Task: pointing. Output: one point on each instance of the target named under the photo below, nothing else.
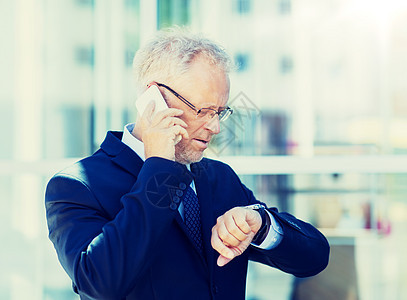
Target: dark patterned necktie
(192, 217)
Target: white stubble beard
(184, 154)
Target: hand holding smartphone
(153, 94)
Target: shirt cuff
(274, 236)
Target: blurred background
(319, 129)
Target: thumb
(223, 260)
(253, 219)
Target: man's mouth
(202, 143)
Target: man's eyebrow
(214, 107)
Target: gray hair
(170, 54)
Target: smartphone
(152, 93)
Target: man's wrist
(265, 223)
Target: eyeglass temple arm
(178, 96)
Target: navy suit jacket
(114, 222)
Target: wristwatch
(265, 223)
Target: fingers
(226, 253)
(167, 119)
(161, 131)
(220, 247)
(229, 232)
(163, 116)
(227, 238)
(172, 121)
(231, 235)
(242, 224)
(177, 130)
(154, 118)
(233, 227)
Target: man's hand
(234, 232)
(161, 131)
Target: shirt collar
(135, 144)
(132, 142)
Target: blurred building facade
(313, 78)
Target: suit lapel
(181, 223)
(204, 192)
(127, 159)
(121, 154)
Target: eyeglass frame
(228, 111)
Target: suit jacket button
(182, 186)
(173, 206)
(176, 199)
(179, 193)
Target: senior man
(147, 217)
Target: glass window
(284, 6)
(173, 12)
(242, 60)
(243, 6)
(86, 2)
(66, 80)
(286, 64)
(326, 80)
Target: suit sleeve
(103, 257)
(303, 250)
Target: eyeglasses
(204, 113)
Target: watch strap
(265, 223)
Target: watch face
(255, 206)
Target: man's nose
(213, 125)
